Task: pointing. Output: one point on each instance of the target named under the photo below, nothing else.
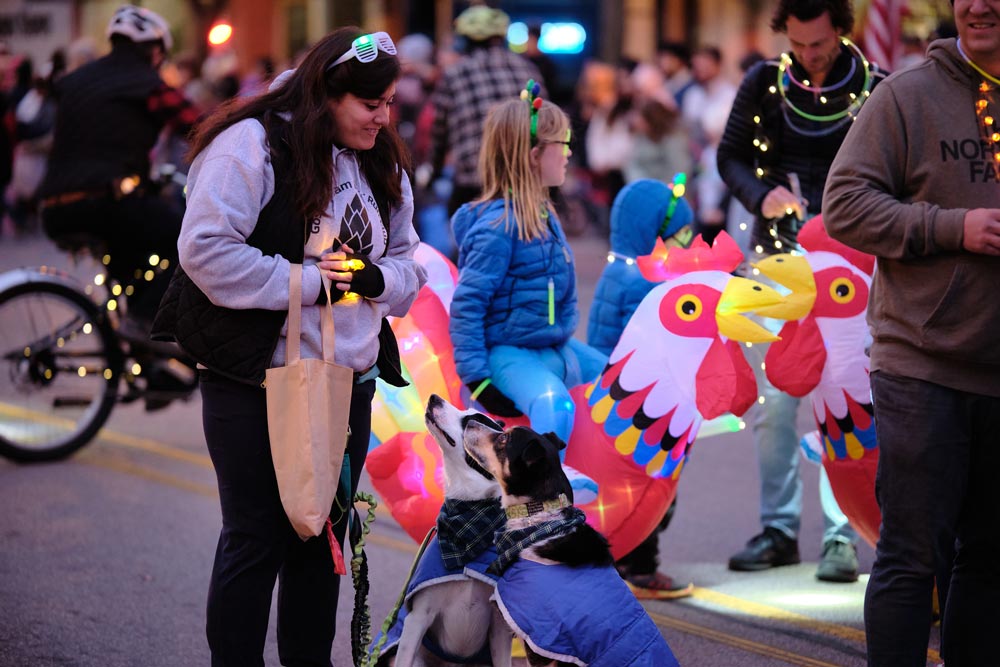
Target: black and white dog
(558, 589)
(448, 618)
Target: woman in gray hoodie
(308, 173)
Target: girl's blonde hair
(506, 167)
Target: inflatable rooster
(822, 353)
(677, 364)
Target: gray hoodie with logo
(228, 185)
(913, 164)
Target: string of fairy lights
(810, 124)
(988, 88)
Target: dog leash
(372, 658)
(361, 621)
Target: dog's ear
(555, 440)
(533, 453)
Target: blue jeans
(777, 442)
(936, 486)
(538, 380)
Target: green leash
(361, 621)
(372, 658)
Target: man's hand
(780, 202)
(982, 231)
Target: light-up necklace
(986, 75)
(857, 99)
(987, 121)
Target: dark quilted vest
(238, 344)
(104, 129)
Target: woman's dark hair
(305, 97)
(841, 13)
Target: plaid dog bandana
(511, 543)
(466, 529)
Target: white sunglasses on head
(366, 47)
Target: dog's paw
(584, 488)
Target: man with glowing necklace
(916, 184)
(789, 118)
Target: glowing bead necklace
(857, 99)
(990, 133)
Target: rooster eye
(841, 290)
(689, 307)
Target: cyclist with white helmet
(109, 115)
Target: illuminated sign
(556, 38)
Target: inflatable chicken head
(822, 354)
(678, 362)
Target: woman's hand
(337, 266)
(351, 273)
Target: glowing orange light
(220, 34)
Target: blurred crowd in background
(630, 120)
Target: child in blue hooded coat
(514, 310)
(643, 211)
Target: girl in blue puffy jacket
(514, 310)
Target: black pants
(645, 558)
(258, 545)
(939, 452)
(133, 228)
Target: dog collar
(537, 507)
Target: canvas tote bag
(308, 403)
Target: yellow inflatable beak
(743, 296)
(794, 273)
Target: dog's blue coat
(431, 571)
(582, 615)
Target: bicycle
(68, 361)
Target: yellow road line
(760, 610)
(757, 609)
(154, 447)
(98, 459)
(144, 444)
(737, 642)
(716, 598)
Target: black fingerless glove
(494, 400)
(335, 295)
(368, 281)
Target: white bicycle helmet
(140, 25)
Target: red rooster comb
(667, 263)
(813, 237)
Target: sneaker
(584, 488)
(769, 549)
(657, 586)
(839, 563)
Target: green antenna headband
(530, 95)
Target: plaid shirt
(511, 543)
(464, 95)
(466, 529)
(172, 109)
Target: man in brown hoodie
(917, 183)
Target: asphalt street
(105, 557)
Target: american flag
(883, 25)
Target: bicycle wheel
(63, 364)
